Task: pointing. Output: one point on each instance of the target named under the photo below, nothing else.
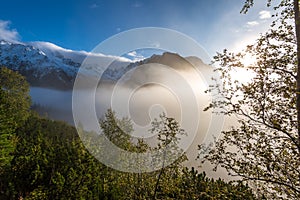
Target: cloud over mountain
(47, 65)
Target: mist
(142, 94)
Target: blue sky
(82, 24)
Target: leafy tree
(50, 162)
(170, 182)
(14, 110)
(117, 130)
(289, 14)
(264, 148)
(168, 133)
(195, 185)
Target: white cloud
(6, 33)
(252, 23)
(77, 56)
(264, 14)
(132, 53)
(135, 56)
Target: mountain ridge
(45, 64)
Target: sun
(245, 74)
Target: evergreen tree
(14, 110)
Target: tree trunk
(297, 27)
(159, 177)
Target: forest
(45, 159)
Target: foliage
(14, 107)
(168, 133)
(117, 130)
(264, 148)
(50, 162)
(195, 185)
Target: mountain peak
(170, 59)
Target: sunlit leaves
(264, 147)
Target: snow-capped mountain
(47, 65)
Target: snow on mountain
(77, 56)
(48, 65)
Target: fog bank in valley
(169, 84)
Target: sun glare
(241, 75)
(244, 75)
